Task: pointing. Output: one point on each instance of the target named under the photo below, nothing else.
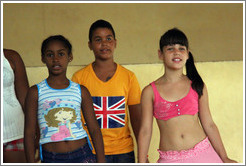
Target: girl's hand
(227, 160)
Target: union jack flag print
(110, 111)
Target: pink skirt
(203, 152)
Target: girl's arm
(145, 131)
(93, 127)
(210, 127)
(31, 107)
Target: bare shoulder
(83, 88)
(205, 90)
(84, 91)
(11, 54)
(148, 90)
(13, 57)
(147, 101)
(204, 96)
(33, 91)
(205, 87)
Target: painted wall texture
(224, 81)
(215, 30)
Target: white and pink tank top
(59, 113)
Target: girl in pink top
(179, 103)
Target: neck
(97, 64)
(173, 76)
(59, 79)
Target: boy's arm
(31, 106)
(210, 127)
(134, 110)
(135, 115)
(93, 127)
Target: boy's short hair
(100, 24)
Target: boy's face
(102, 43)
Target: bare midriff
(64, 146)
(180, 133)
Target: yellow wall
(214, 30)
(224, 81)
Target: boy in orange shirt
(112, 88)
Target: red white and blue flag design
(110, 111)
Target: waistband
(86, 147)
(183, 154)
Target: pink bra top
(165, 110)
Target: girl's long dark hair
(175, 36)
(193, 75)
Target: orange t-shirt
(110, 100)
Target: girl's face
(174, 56)
(103, 43)
(63, 116)
(56, 57)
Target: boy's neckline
(111, 77)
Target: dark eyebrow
(101, 37)
(63, 49)
(110, 36)
(96, 37)
(48, 51)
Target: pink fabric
(63, 133)
(165, 110)
(203, 152)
